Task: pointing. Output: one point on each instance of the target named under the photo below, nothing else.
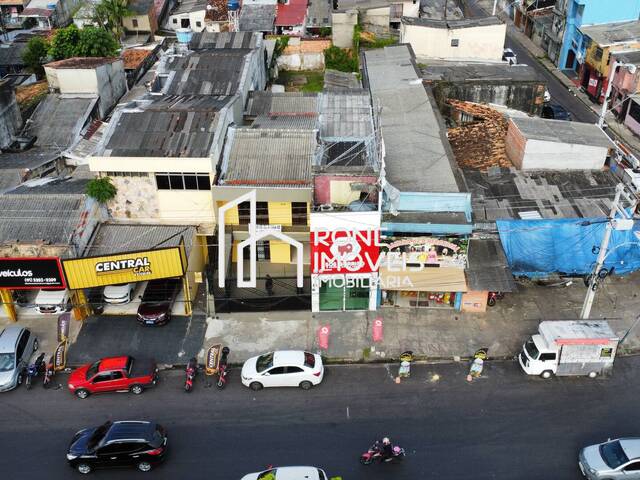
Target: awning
(429, 279)
(488, 267)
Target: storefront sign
(31, 273)
(125, 267)
(345, 251)
(213, 359)
(424, 241)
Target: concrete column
(9, 306)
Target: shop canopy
(429, 279)
(488, 267)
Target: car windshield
(309, 359)
(98, 435)
(93, 369)
(268, 475)
(321, 475)
(613, 454)
(264, 361)
(7, 362)
(531, 349)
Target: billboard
(345, 251)
(125, 267)
(31, 273)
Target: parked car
(50, 301)
(17, 344)
(284, 368)
(120, 293)
(555, 112)
(157, 301)
(114, 374)
(117, 445)
(509, 56)
(288, 473)
(613, 459)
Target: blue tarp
(536, 248)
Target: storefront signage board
(343, 252)
(30, 273)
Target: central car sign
(31, 273)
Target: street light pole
(495, 4)
(604, 245)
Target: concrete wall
(10, 118)
(342, 28)
(301, 61)
(524, 96)
(479, 43)
(376, 20)
(135, 200)
(336, 189)
(194, 18)
(146, 23)
(190, 206)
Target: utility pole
(604, 246)
(605, 103)
(495, 4)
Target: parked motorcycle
(494, 297)
(49, 372)
(192, 370)
(35, 369)
(375, 454)
(223, 368)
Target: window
(116, 375)
(294, 370)
(244, 213)
(175, 21)
(598, 54)
(606, 352)
(634, 111)
(547, 356)
(455, 42)
(309, 360)
(262, 212)
(126, 174)
(135, 22)
(632, 467)
(182, 181)
(198, 24)
(276, 371)
(116, 448)
(299, 213)
(102, 377)
(22, 344)
(263, 251)
(264, 361)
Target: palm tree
(109, 14)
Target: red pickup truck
(114, 374)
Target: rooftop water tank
(184, 35)
(233, 5)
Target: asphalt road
(505, 425)
(559, 93)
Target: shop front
(423, 272)
(27, 273)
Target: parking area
(109, 335)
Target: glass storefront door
(339, 295)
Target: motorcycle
(192, 369)
(223, 368)
(375, 454)
(49, 371)
(494, 297)
(34, 370)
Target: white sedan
(284, 368)
(288, 473)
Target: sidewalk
(620, 130)
(431, 334)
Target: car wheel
(19, 379)
(546, 374)
(144, 466)
(82, 393)
(306, 385)
(83, 468)
(136, 389)
(255, 386)
(35, 345)
(593, 374)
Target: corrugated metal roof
(119, 238)
(287, 122)
(606, 34)
(233, 40)
(337, 81)
(58, 120)
(162, 134)
(210, 72)
(345, 115)
(31, 218)
(52, 186)
(269, 157)
(265, 103)
(257, 17)
(488, 267)
(192, 103)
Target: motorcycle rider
(387, 449)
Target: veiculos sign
(31, 273)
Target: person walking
(269, 285)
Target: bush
(89, 42)
(101, 189)
(338, 59)
(35, 55)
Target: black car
(157, 301)
(118, 444)
(555, 112)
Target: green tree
(89, 42)
(101, 189)
(109, 14)
(340, 59)
(35, 55)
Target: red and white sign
(344, 251)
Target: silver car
(17, 344)
(613, 459)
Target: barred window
(183, 181)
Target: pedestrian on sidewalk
(269, 285)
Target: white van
(52, 301)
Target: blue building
(590, 12)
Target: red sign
(345, 251)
